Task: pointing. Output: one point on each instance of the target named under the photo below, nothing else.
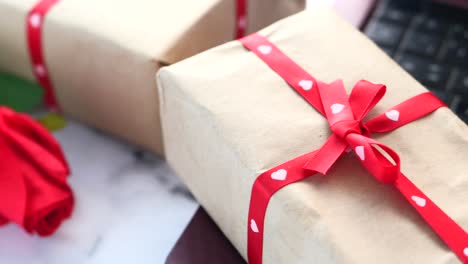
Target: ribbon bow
(33, 176)
(345, 116)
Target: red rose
(33, 176)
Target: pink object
(355, 11)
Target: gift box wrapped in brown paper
(227, 117)
(102, 55)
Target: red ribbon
(34, 22)
(345, 116)
(33, 176)
(241, 18)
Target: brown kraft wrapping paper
(227, 117)
(102, 55)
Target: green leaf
(20, 94)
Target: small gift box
(243, 120)
(97, 58)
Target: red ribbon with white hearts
(345, 116)
(35, 21)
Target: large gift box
(100, 56)
(229, 118)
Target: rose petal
(34, 159)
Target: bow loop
(381, 161)
(364, 96)
(345, 116)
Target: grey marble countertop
(130, 207)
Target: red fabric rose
(33, 176)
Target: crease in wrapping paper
(219, 146)
(113, 45)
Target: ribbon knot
(342, 128)
(345, 115)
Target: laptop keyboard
(430, 41)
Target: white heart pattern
(40, 70)
(421, 202)
(306, 84)
(242, 22)
(465, 251)
(360, 152)
(35, 20)
(393, 115)
(264, 49)
(279, 175)
(336, 108)
(253, 226)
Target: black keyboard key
(388, 50)
(435, 79)
(461, 108)
(444, 10)
(445, 97)
(406, 5)
(397, 15)
(460, 31)
(429, 73)
(432, 25)
(424, 44)
(384, 33)
(456, 52)
(436, 75)
(412, 65)
(461, 83)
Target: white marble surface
(128, 209)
